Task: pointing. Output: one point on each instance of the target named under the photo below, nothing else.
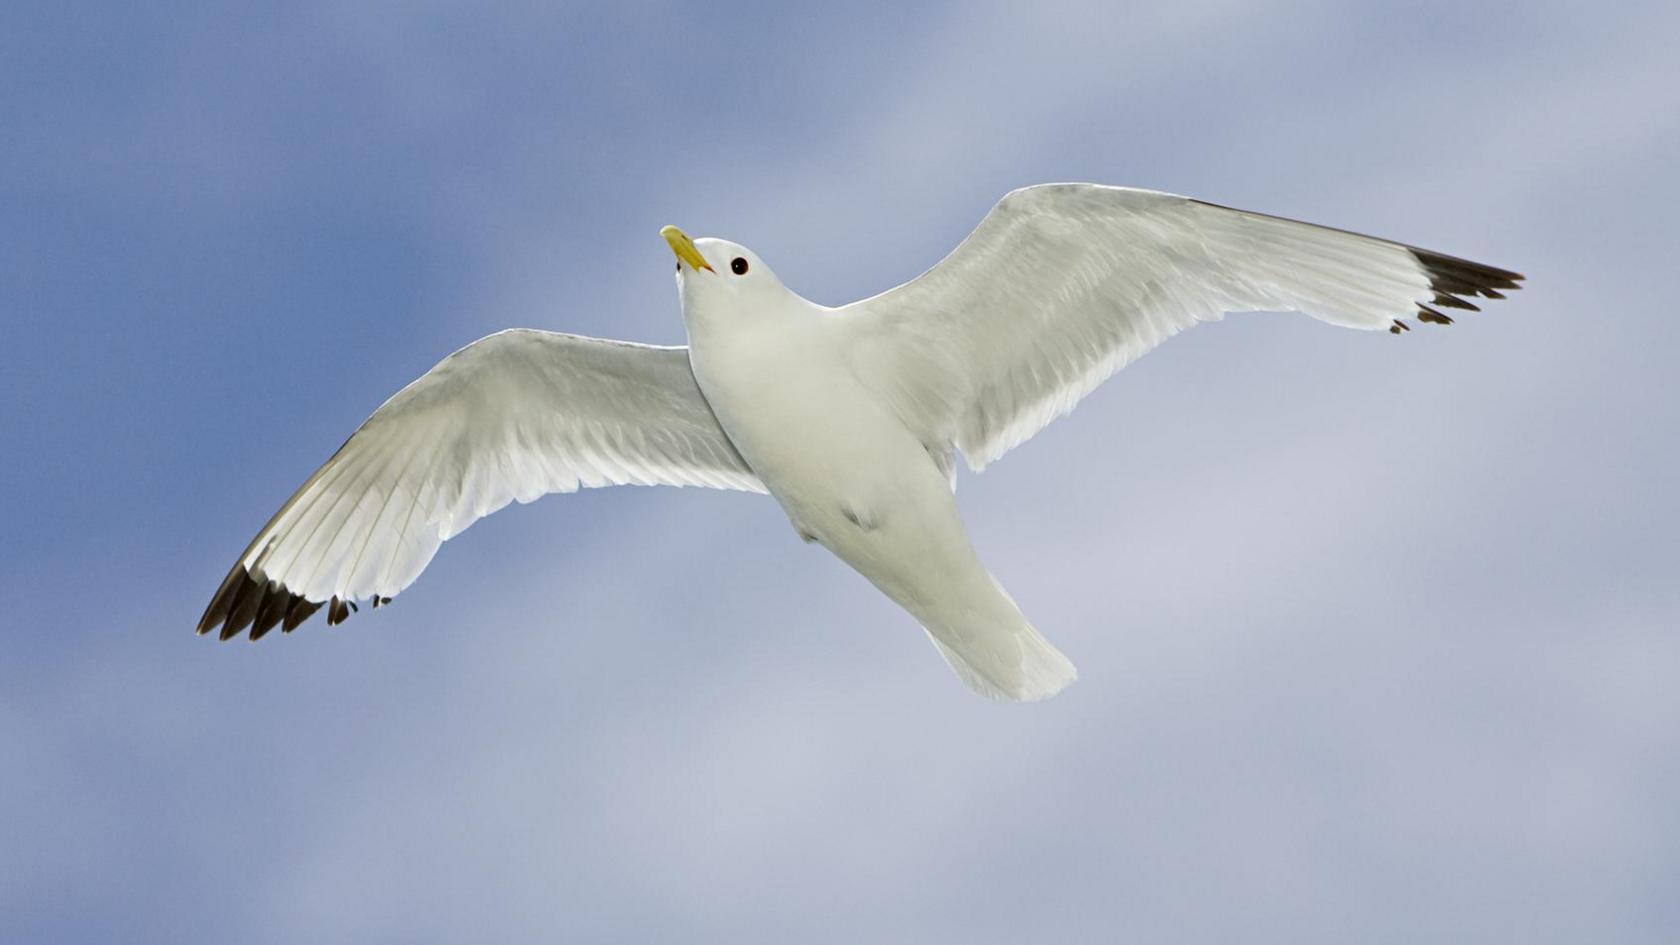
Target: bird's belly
(838, 459)
(851, 476)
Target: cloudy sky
(1378, 637)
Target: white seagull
(850, 417)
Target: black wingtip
(1447, 301)
(1453, 281)
(247, 600)
(270, 611)
(243, 609)
(221, 603)
(297, 613)
(1427, 314)
(1451, 277)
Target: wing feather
(510, 417)
(1062, 285)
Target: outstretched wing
(514, 415)
(1062, 285)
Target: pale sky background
(1379, 637)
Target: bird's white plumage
(1062, 285)
(850, 417)
(513, 416)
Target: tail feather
(1003, 658)
(1042, 672)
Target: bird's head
(719, 277)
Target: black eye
(738, 265)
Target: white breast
(818, 439)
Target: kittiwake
(850, 417)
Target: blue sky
(1377, 636)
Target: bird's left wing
(1062, 285)
(514, 415)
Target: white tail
(998, 654)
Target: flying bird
(850, 417)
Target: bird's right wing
(511, 416)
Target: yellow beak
(684, 248)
